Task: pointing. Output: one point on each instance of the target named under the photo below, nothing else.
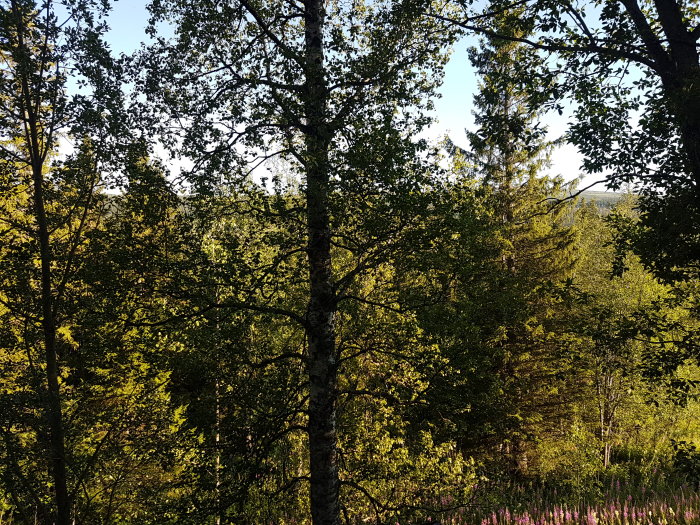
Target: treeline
(320, 318)
(470, 346)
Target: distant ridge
(602, 199)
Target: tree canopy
(238, 284)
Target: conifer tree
(508, 154)
(504, 357)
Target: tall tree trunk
(36, 148)
(322, 365)
(217, 451)
(54, 413)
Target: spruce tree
(508, 154)
(510, 242)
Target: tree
(75, 425)
(336, 90)
(611, 320)
(35, 110)
(617, 60)
(499, 248)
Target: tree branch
(559, 48)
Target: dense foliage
(320, 317)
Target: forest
(239, 284)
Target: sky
(453, 110)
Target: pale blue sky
(453, 110)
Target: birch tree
(337, 89)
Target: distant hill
(602, 199)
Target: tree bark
(320, 317)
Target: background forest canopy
(381, 329)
